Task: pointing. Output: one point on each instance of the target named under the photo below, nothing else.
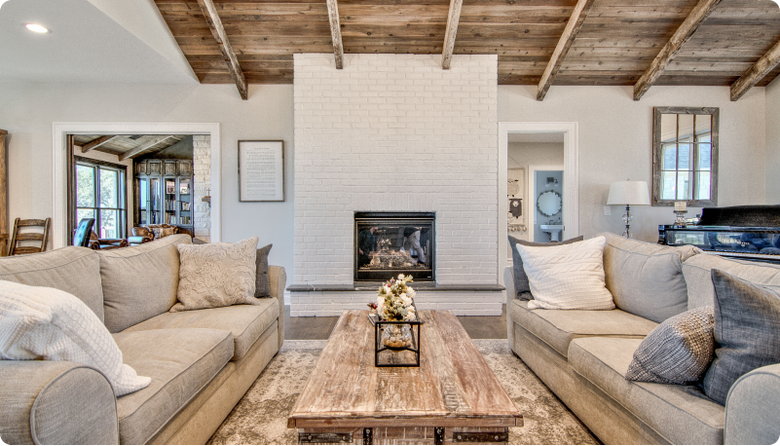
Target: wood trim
(452, 32)
(673, 46)
(142, 148)
(3, 196)
(72, 192)
(218, 31)
(761, 68)
(95, 143)
(335, 33)
(576, 20)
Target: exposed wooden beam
(452, 32)
(218, 31)
(95, 143)
(699, 14)
(761, 68)
(335, 33)
(143, 147)
(573, 27)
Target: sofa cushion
(676, 412)
(678, 351)
(72, 269)
(180, 362)
(646, 279)
(520, 279)
(246, 322)
(216, 275)
(557, 328)
(262, 284)
(747, 332)
(697, 271)
(567, 277)
(140, 281)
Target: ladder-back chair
(26, 241)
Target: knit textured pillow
(520, 279)
(40, 323)
(567, 277)
(216, 275)
(678, 351)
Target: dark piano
(746, 232)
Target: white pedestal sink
(553, 230)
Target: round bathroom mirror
(549, 203)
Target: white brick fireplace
(396, 133)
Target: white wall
(616, 144)
(28, 111)
(773, 142)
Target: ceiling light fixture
(36, 28)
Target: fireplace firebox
(392, 243)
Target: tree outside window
(100, 194)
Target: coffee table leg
(368, 435)
(438, 435)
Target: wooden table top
(453, 386)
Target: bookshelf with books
(162, 197)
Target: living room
(110, 92)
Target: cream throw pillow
(567, 277)
(49, 324)
(216, 275)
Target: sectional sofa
(201, 362)
(583, 356)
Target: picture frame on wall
(260, 171)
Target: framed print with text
(261, 171)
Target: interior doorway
(509, 132)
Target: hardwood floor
(313, 328)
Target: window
(100, 194)
(685, 154)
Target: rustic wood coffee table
(453, 397)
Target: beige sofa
(201, 362)
(583, 356)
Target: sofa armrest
(56, 402)
(751, 408)
(277, 279)
(138, 239)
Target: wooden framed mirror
(685, 155)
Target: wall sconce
(207, 198)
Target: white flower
(401, 277)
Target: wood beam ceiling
(761, 68)
(452, 32)
(95, 143)
(335, 33)
(564, 44)
(218, 31)
(142, 148)
(700, 13)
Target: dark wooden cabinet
(163, 193)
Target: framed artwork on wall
(515, 195)
(261, 170)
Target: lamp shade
(634, 193)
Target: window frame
(121, 194)
(658, 156)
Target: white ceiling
(96, 41)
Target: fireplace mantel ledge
(372, 286)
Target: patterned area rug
(261, 415)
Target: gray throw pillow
(747, 332)
(262, 285)
(678, 351)
(522, 287)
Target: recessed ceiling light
(36, 28)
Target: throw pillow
(646, 279)
(262, 284)
(41, 323)
(567, 277)
(747, 332)
(216, 275)
(520, 279)
(678, 351)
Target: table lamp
(629, 193)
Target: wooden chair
(29, 242)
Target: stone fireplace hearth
(396, 133)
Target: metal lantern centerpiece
(396, 325)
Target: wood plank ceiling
(538, 42)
